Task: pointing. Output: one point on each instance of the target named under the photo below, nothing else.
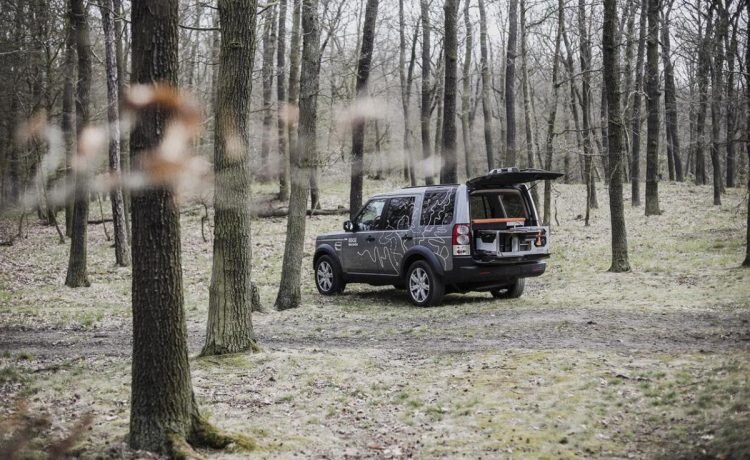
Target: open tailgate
(510, 176)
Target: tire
(328, 277)
(512, 291)
(423, 287)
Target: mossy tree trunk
(164, 416)
(229, 328)
(611, 77)
(289, 295)
(77, 275)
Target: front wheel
(328, 278)
(425, 289)
(512, 291)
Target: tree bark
(406, 78)
(527, 117)
(746, 262)
(289, 295)
(426, 95)
(282, 109)
(510, 84)
(122, 251)
(67, 123)
(588, 151)
(449, 169)
(268, 74)
(553, 112)
(652, 104)
(635, 157)
(704, 64)
(466, 91)
(486, 86)
(611, 79)
(230, 328)
(292, 100)
(358, 124)
(77, 275)
(731, 123)
(717, 87)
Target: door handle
(370, 238)
(407, 237)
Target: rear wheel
(425, 289)
(328, 278)
(512, 291)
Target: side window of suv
(370, 216)
(399, 213)
(437, 207)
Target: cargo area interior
(503, 225)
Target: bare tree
(717, 88)
(588, 151)
(466, 91)
(295, 48)
(611, 79)
(77, 275)
(746, 262)
(426, 94)
(358, 125)
(449, 169)
(122, 252)
(486, 85)
(635, 157)
(289, 295)
(670, 101)
(510, 85)
(406, 78)
(652, 104)
(282, 109)
(268, 74)
(553, 112)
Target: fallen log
(282, 212)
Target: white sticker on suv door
(352, 242)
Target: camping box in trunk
(503, 215)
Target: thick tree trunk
(289, 295)
(486, 86)
(611, 79)
(230, 328)
(292, 100)
(406, 78)
(466, 91)
(449, 169)
(122, 251)
(510, 85)
(652, 105)
(268, 74)
(553, 113)
(746, 262)
(77, 275)
(358, 125)
(424, 119)
(670, 101)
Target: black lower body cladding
(469, 275)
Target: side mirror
(348, 226)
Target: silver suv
(484, 235)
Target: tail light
(461, 240)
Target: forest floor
(651, 363)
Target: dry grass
(652, 363)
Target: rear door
(397, 235)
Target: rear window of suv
(437, 207)
(497, 204)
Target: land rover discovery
(484, 235)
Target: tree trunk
(486, 86)
(510, 84)
(358, 125)
(588, 151)
(670, 100)
(289, 295)
(67, 123)
(292, 101)
(731, 123)
(717, 87)
(77, 275)
(282, 108)
(527, 99)
(122, 251)
(449, 169)
(746, 262)
(652, 105)
(635, 157)
(553, 112)
(614, 130)
(466, 91)
(406, 78)
(268, 73)
(230, 328)
(704, 64)
(426, 95)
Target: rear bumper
(467, 273)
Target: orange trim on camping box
(498, 220)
